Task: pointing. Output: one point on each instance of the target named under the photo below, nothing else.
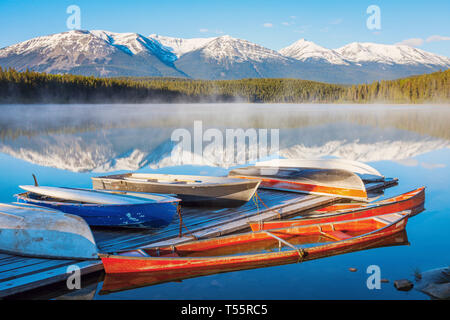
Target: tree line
(35, 87)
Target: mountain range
(108, 54)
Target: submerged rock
(435, 283)
(403, 285)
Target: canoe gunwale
(24, 196)
(187, 186)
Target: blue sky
(273, 24)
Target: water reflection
(91, 138)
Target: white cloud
(285, 23)
(437, 38)
(203, 30)
(268, 25)
(413, 42)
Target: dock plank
(39, 279)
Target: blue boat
(105, 208)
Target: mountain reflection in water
(106, 138)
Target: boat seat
(388, 218)
(337, 235)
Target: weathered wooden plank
(21, 263)
(32, 268)
(44, 278)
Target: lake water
(65, 145)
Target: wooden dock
(20, 274)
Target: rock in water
(352, 269)
(435, 283)
(403, 285)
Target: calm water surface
(66, 145)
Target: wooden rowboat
(116, 282)
(317, 240)
(366, 172)
(412, 200)
(40, 232)
(105, 208)
(329, 182)
(192, 190)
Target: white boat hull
(38, 232)
(365, 171)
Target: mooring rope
(180, 218)
(273, 210)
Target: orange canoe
(115, 282)
(295, 244)
(412, 200)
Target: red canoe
(316, 240)
(115, 282)
(412, 200)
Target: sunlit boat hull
(366, 172)
(332, 182)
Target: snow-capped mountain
(226, 57)
(390, 54)
(99, 53)
(180, 46)
(304, 50)
(104, 53)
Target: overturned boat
(329, 182)
(105, 208)
(366, 172)
(192, 190)
(40, 232)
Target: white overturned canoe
(39, 232)
(85, 195)
(329, 182)
(365, 171)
